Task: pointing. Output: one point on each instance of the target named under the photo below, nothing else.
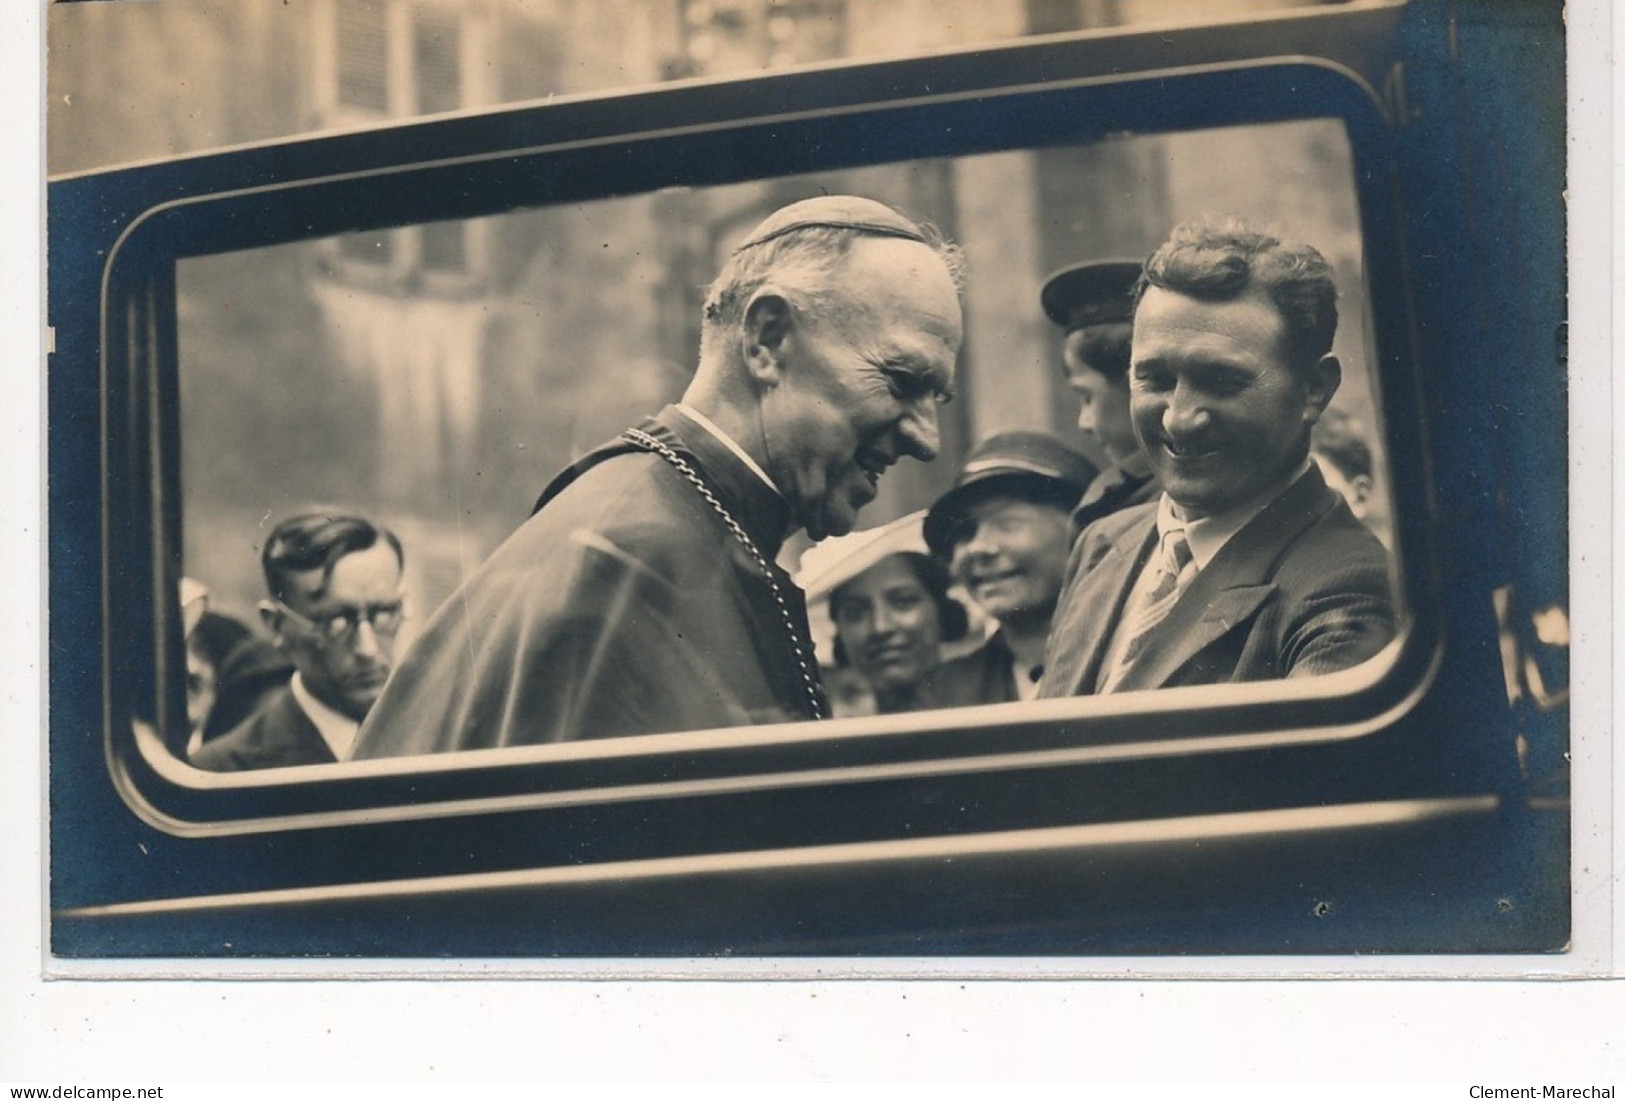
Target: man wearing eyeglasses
(335, 607)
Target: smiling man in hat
(1247, 567)
(1004, 529)
(643, 595)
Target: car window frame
(139, 389)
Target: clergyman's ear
(767, 322)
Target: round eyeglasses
(344, 624)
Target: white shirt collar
(337, 729)
(1209, 534)
(727, 441)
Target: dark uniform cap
(1091, 294)
(834, 212)
(1030, 466)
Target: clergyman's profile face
(864, 367)
(1219, 411)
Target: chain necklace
(809, 680)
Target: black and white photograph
(823, 540)
(1046, 482)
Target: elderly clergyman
(1246, 567)
(643, 595)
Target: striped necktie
(1175, 568)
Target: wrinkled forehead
(925, 267)
(1172, 323)
(904, 286)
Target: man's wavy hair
(1218, 261)
(316, 540)
(806, 259)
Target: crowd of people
(1222, 542)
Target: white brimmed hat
(826, 565)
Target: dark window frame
(690, 136)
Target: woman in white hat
(888, 607)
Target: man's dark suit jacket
(278, 735)
(1119, 486)
(985, 675)
(1302, 589)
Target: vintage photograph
(859, 479)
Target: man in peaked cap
(1004, 529)
(643, 594)
(1093, 304)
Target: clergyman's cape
(622, 606)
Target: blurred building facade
(438, 375)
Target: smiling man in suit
(1247, 567)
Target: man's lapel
(299, 742)
(1093, 612)
(1207, 611)
(1232, 587)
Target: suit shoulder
(1103, 534)
(244, 743)
(1336, 546)
(960, 666)
(278, 735)
(981, 676)
(1111, 527)
(625, 491)
(635, 502)
(220, 754)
